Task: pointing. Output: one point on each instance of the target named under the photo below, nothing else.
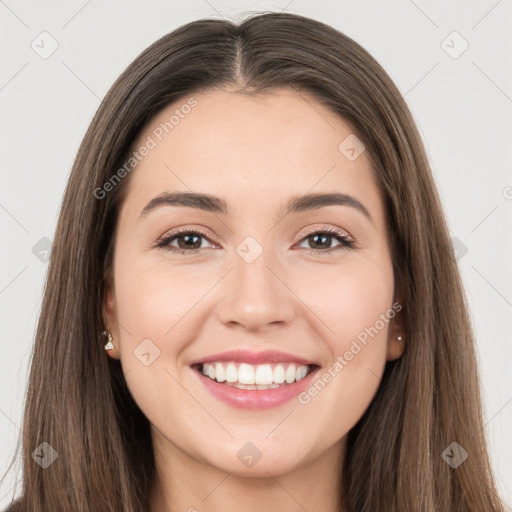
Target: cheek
(346, 298)
(358, 308)
(361, 305)
(154, 298)
(156, 316)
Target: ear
(110, 314)
(396, 346)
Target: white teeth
(290, 374)
(220, 373)
(301, 372)
(279, 374)
(247, 376)
(264, 374)
(231, 373)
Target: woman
(252, 234)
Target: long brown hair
(77, 399)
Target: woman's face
(258, 292)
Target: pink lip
(256, 398)
(246, 356)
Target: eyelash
(346, 242)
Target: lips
(255, 397)
(246, 356)
(254, 380)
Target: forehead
(267, 146)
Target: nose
(256, 296)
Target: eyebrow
(213, 204)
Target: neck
(184, 483)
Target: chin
(258, 459)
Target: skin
(255, 152)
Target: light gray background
(462, 106)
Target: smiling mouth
(254, 377)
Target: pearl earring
(109, 345)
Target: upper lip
(246, 356)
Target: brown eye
(188, 241)
(320, 241)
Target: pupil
(322, 237)
(189, 238)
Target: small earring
(399, 339)
(109, 345)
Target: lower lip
(255, 398)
